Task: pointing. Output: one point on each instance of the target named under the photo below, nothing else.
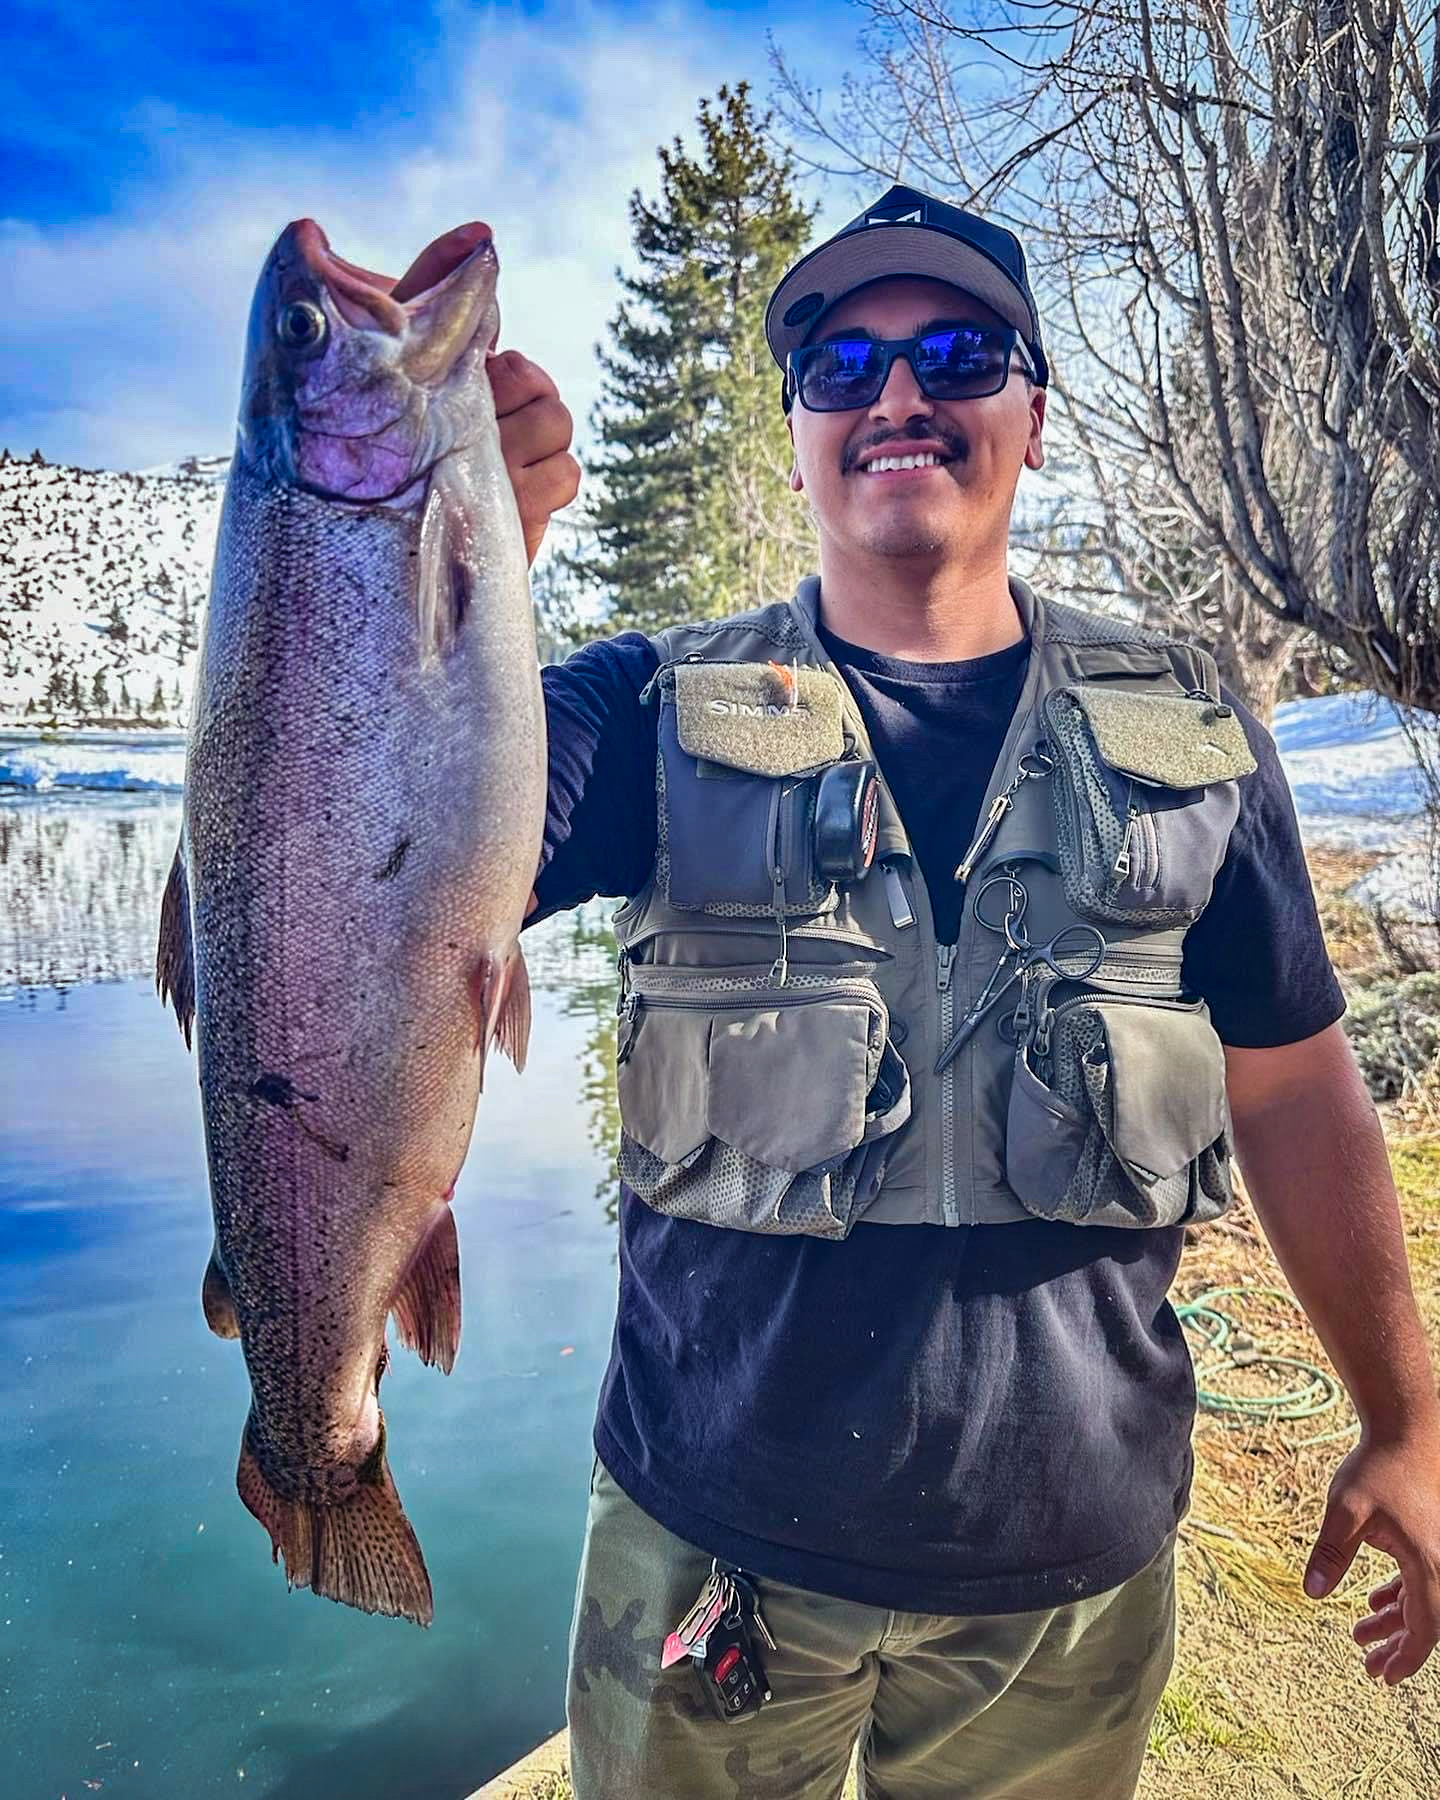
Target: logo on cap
(913, 215)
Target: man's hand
(1314, 1160)
(535, 434)
(1388, 1495)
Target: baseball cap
(908, 233)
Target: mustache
(954, 446)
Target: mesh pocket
(1132, 1128)
(719, 1185)
(755, 1107)
(1141, 837)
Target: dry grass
(1269, 1698)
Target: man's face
(983, 443)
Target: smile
(892, 465)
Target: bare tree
(1231, 210)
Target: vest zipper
(944, 968)
(1045, 1025)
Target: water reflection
(591, 994)
(80, 885)
(119, 1413)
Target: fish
(364, 801)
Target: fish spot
(394, 862)
(278, 1090)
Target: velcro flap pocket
(788, 1083)
(1169, 739)
(1166, 1088)
(762, 718)
(664, 1084)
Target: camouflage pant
(1008, 1706)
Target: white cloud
(137, 319)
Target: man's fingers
(515, 381)
(1386, 1592)
(545, 487)
(1419, 1603)
(1340, 1536)
(1375, 1627)
(540, 492)
(539, 429)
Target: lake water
(148, 1648)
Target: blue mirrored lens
(959, 363)
(952, 364)
(847, 367)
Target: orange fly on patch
(790, 681)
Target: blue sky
(151, 153)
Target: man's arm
(1313, 1154)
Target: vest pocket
(1132, 1127)
(1145, 795)
(757, 1107)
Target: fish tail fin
(174, 957)
(362, 1552)
(500, 989)
(427, 1304)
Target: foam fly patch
(1165, 738)
(764, 718)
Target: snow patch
(115, 764)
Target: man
(942, 1429)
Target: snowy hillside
(102, 580)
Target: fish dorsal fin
(174, 957)
(443, 588)
(427, 1303)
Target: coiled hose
(1227, 1346)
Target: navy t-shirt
(987, 1418)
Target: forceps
(1073, 954)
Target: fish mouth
(435, 309)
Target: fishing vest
(786, 1049)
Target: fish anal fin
(218, 1301)
(426, 1306)
(174, 956)
(362, 1552)
(443, 587)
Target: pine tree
(76, 698)
(115, 625)
(100, 692)
(127, 705)
(695, 457)
(157, 699)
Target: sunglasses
(960, 362)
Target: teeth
(926, 460)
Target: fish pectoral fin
(362, 1552)
(442, 593)
(426, 1306)
(218, 1301)
(500, 993)
(175, 957)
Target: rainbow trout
(364, 799)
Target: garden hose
(1226, 1347)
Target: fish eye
(301, 325)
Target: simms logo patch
(742, 709)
